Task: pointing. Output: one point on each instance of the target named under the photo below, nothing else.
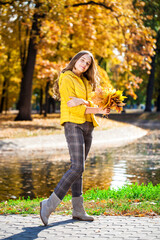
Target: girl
(76, 82)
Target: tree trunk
(158, 102)
(26, 83)
(46, 99)
(158, 77)
(150, 86)
(41, 101)
(51, 105)
(4, 99)
(3, 95)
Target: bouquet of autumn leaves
(108, 98)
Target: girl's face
(82, 64)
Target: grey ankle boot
(78, 210)
(48, 206)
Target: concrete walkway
(114, 137)
(17, 227)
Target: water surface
(114, 167)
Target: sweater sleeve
(67, 90)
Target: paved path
(17, 227)
(114, 137)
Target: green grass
(132, 200)
(134, 191)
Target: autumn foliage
(109, 98)
(112, 30)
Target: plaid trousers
(79, 139)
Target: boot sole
(80, 219)
(41, 215)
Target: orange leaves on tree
(67, 29)
(46, 69)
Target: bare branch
(90, 3)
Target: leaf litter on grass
(125, 201)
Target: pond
(113, 167)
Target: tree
(61, 28)
(154, 13)
(28, 70)
(45, 74)
(119, 30)
(29, 14)
(157, 74)
(151, 19)
(9, 76)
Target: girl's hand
(105, 111)
(76, 102)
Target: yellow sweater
(70, 85)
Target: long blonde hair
(91, 74)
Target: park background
(37, 40)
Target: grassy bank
(130, 200)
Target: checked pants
(79, 139)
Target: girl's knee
(78, 170)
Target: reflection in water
(119, 174)
(138, 162)
(26, 180)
